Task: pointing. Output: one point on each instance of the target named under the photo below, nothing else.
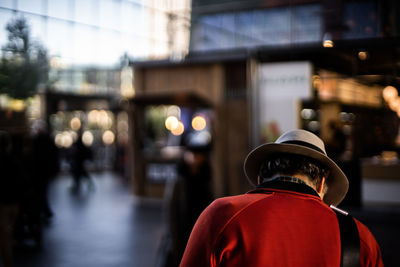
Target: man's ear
(258, 180)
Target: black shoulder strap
(349, 239)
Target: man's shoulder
(367, 239)
(216, 216)
(229, 206)
(369, 248)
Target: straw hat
(300, 142)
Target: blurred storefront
(254, 100)
(85, 45)
(86, 103)
(90, 117)
(193, 94)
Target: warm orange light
(17, 105)
(199, 123)
(58, 140)
(327, 40)
(394, 104)
(389, 92)
(102, 119)
(171, 123)
(92, 116)
(316, 80)
(64, 139)
(328, 43)
(108, 137)
(362, 55)
(75, 124)
(178, 130)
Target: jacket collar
(288, 186)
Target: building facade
(289, 64)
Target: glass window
(274, 26)
(5, 17)
(59, 38)
(61, 9)
(133, 45)
(7, 3)
(132, 19)
(107, 15)
(361, 19)
(38, 28)
(244, 26)
(243, 29)
(306, 24)
(86, 12)
(109, 46)
(32, 6)
(84, 46)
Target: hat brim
(337, 181)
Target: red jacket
(279, 224)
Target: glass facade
(99, 32)
(244, 26)
(275, 26)
(86, 37)
(362, 21)
(89, 44)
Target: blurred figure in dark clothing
(10, 195)
(190, 195)
(79, 153)
(195, 171)
(45, 164)
(336, 146)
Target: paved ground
(108, 227)
(102, 227)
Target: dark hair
(290, 164)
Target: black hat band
(302, 143)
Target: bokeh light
(389, 93)
(92, 116)
(328, 43)
(75, 124)
(362, 55)
(179, 129)
(199, 123)
(108, 137)
(171, 123)
(87, 138)
(64, 139)
(394, 104)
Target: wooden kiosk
(193, 85)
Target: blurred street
(107, 226)
(104, 226)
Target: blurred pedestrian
(79, 154)
(336, 146)
(195, 172)
(10, 194)
(188, 195)
(287, 219)
(45, 164)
